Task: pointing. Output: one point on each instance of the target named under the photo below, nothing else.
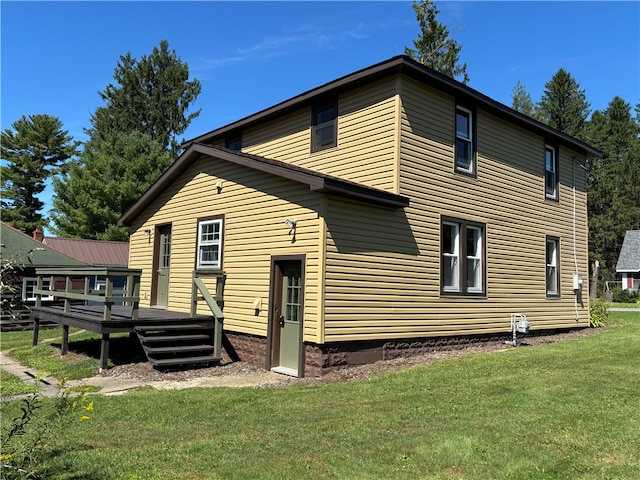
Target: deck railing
(129, 295)
(200, 292)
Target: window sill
(479, 295)
(205, 270)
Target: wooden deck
(91, 318)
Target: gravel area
(237, 373)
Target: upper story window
(209, 253)
(465, 142)
(29, 285)
(463, 254)
(234, 143)
(553, 262)
(324, 127)
(550, 172)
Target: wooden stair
(178, 345)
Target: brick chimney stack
(38, 236)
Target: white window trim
(469, 140)
(554, 264)
(209, 265)
(34, 280)
(455, 256)
(478, 257)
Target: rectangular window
(553, 261)
(234, 143)
(324, 127)
(29, 285)
(463, 253)
(550, 172)
(465, 150)
(209, 255)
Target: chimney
(38, 236)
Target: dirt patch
(230, 373)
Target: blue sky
(56, 56)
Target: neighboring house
(98, 253)
(379, 215)
(28, 254)
(629, 261)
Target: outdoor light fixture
(292, 223)
(147, 233)
(219, 186)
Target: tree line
(133, 139)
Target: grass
(568, 410)
(81, 361)
(22, 338)
(624, 305)
(12, 385)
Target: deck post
(36, 330)
(217, 337)
(39, 287)
(108, 292)
(64, 348)
(194, 295)
(68, 287)
(104, 352)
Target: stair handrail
(199, 286)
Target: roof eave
(405, 65)
(316, 181)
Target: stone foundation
(322, 359)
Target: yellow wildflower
(83, 418)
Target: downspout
(575, 254)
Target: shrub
(598, 313)
(624, 296)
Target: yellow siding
(366, 151)
(255, 206)
(374, 273)
(378, 288)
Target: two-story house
(388, 211)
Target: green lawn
(570, 410)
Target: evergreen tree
(614, 182)
(114, 171)
(151, 95)
(563, 105)
(32, 152)
(521, 100)
(433, 46)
